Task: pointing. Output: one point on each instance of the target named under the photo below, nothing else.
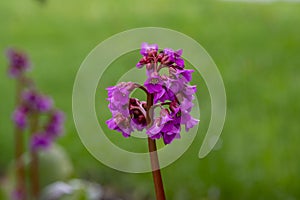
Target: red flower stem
(158, 184)
(19, 150)
(34, 164)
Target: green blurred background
(256, 47)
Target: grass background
(256, 47)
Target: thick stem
(34, 175)
(20, 167)
(158, 184)
(19, 150)
(34, 164)
(142, 88)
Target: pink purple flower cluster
(171, 93)
(33, 104)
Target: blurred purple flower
(20, 117)
(32, 105)
(54, 128)
(17, 194)
(18, 62)
(44, 103)
(36, 101)
(40, 141)
(58, 117)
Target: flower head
(54, 128)
(18, 62)
(40, 141)
(149, 52)
(36, 101)
(171, 89)
(20, 117)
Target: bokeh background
(256, 47)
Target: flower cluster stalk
(34, 162)
(19, 150)
(156, 174)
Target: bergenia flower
(148, 49)
(173, 58)
(44, 138)
(118, 97)
(120, 123)
(44, 103)
(33, 103)
(18, 63)
(40, 141)
(20, 117)
(37, 102)
(154, 84)
(55, 127)
(185, 74)
(161, 125)
(149, 53)
(164, 95)
(171, 90)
